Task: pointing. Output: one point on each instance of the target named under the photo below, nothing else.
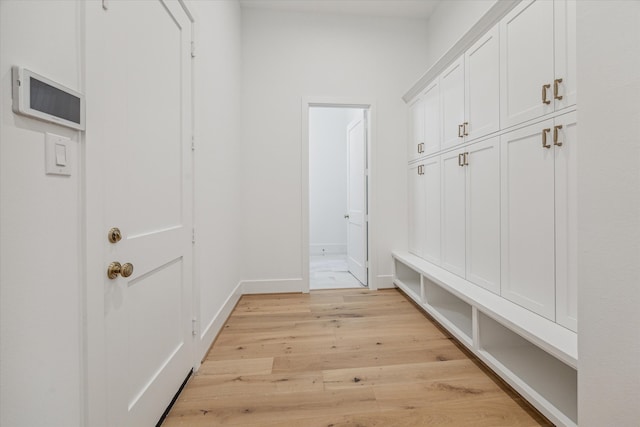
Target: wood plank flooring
(342, 358)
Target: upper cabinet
(416, 129)
(471, 92)
(452, 106)
(482, 86)
(537, 52)
(424, 125)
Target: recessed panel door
(528, 218)
(140, 104)
(356, 200)
(453, 212)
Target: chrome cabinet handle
(465, 158)
(460, 159)
(460, 131)
(465, 128)
(544, 138)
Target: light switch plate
(57, 154)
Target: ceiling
(420, 9)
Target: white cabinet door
(528, 218)
(566, 214)
(417, 206)
(526, 58)
(483, 214)
(431, 179)
(432, 120)
(452, 105)
(565, 53)
(453, 213)
(416, 129)
(482, 86)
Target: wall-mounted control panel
(39, 97)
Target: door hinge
(366, 264)
(193, 235)
(194, 327)
(193, 143)
(193, 49)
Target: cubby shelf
(536, 356)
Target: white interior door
(141, 107)
(356, 199)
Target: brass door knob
(114, 235)
(116, 268)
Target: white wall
(328, 179)
(289, 56)
(217, 158)
(449, 22)
(40, 228)
(609, 213)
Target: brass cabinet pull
(544, 138)
(556, 82)
(555, 135)
(465, 158)
(460, 131)
(460, 159)
(116, 268)
(544, 94)
(465, 130)
(421, 148)
(420, 169)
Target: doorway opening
(338, 207)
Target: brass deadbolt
(116, 268)
(114, 235)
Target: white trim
(209, 334)
(488, 20)
(385, 281)
(338, 102)
(271, 286)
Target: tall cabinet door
(565, 146)
(432, 119)
(431, 179)
(453, 213)
(482, 85)
(528, 218)
(565, 52)
(526, 58)
(417, 206)
(483, 214)
(416, 129)
(452, 107)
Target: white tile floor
(331, 272)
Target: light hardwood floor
(342, 358)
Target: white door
(432, 119)
(453, 212)
(483, 214)
(416, 130)
(565, 52)
(357, 199)
(452, 98)
(417, 207)
(566, 186)
(528, 218)
(482, 85)
(526, 55)
(140, 108)
(431, 218)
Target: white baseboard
(384, 281)
(275, 286)
(211, 331)
(329, 248)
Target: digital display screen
(50, 100)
